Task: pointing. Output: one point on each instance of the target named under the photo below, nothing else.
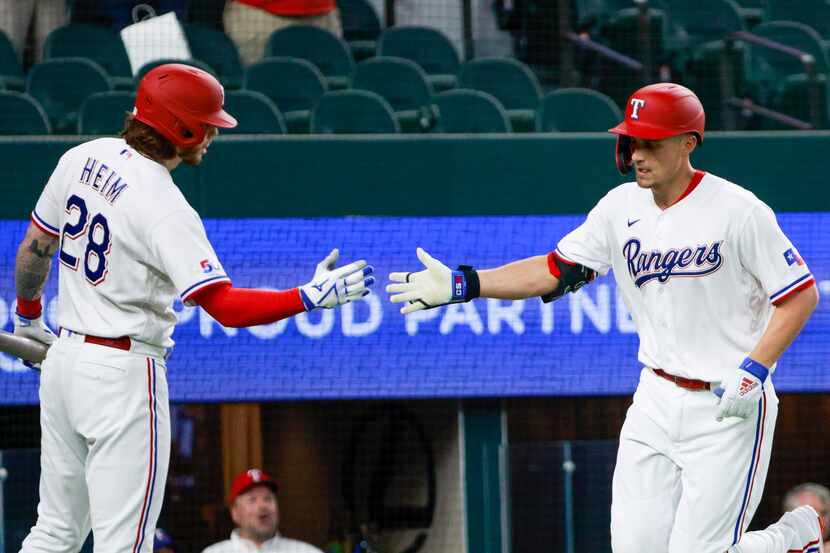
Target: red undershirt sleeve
(241, 307)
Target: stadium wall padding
(312, 176)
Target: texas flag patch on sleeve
(793, 258)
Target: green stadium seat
(470, 111)
(768, 68)
(361, 27)
(104, 112)
(697, 22)
(703, 75)
(427, 47)
(255, 112)
(21, 114)
(590, 14)
(815, 13)
(98, 43)
(780, 79)
(147, 67)
(753, 4)
(353, 112)
(752, 11)
(403, 84)
(793, 99)
(511, 82)
(621, 32)
(328, 52)
(216, 49)
(294, 85)
(62, 85)
(616, 5)
(11, 74)
(577, 110)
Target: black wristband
(473, 284)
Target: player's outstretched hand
(422, 290)
(331, 287)
(739, 394)
(34, 329)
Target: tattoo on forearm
(45, 252)
(30, 285)
(32, 268)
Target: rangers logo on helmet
(636, 104)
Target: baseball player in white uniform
(717, 293)
(255, 512)
(128, 243)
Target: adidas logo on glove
(747, 385)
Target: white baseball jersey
(277, 544)
(129, 242)
(699, 277)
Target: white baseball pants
(685, 483)
(105, 449)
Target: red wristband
(31, 309)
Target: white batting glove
(331, 287)
(739, 394)
(434, 286)
(34, 329)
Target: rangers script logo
(661, 266)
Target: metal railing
(584, 41)
(571, 39)
(746, 104)
(728, 83)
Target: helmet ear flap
(189, 135)
(623, 155)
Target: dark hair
(146, 139)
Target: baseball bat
(24, 348)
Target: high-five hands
(331, 287)
(436, 285)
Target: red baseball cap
(247, 480)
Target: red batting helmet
(655, 112)
(177, 100)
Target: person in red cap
(250, 23)
(129, 244)
(717, 293)
(255, 512)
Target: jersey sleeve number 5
(99, 240)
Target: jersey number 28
(98, 244)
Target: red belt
(118, 343)
(687, 383)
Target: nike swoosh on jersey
(634, 222)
